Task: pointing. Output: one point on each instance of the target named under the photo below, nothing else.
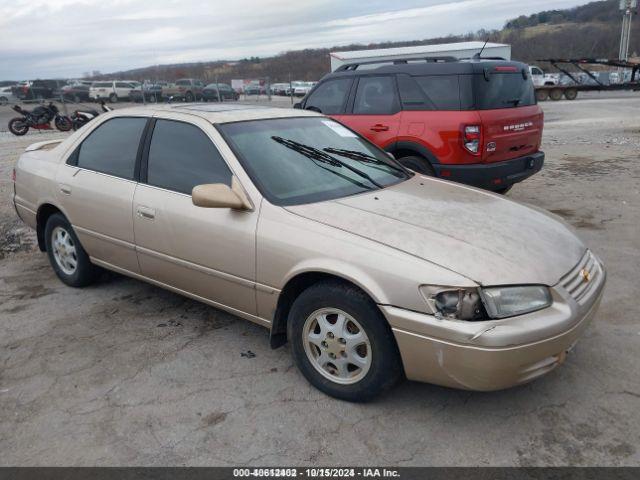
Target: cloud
(68, 37)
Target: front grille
(575, 282)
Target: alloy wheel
(337, 345)
(64, 250)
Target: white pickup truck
(540, 78)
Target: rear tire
(189, 97)
(542, 95)
(418, 164)
(570, 93)
(18, 127)
(68, 259)
(331, 325)
(556, 94)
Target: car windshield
(304, 160)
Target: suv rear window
(503, 90)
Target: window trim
(146, 147)
(72, 160)
(397, 107)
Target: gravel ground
(123, 373)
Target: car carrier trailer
(570, 91)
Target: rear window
(503, 90)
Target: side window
(376, 96)
(181, 156)
(113, 147)
(123, 85)
(435, 92)
(330, 96)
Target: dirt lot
(124, 373)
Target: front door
(96, 187)
(208, 252)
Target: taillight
(471, 138)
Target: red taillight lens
(472, 136)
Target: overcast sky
(64, 38)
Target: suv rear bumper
(492, 176)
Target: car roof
(219, 113)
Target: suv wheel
(418, 164)
(341, 342)
(113, 98)
(67, 257)
(188, 97)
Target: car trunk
(511, 120)
(511, 132)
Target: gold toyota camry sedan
(287, 218)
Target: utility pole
(628, 7)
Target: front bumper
(492, 176)
(497, 354)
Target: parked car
(279, 88)
(474, 122)
(152, 93)
(295, 222)
(254, 88)
(112, 90)
(303, 88)
(7, 96)
(189, 89)
(77, 91)
(219, 91)
(39, 89)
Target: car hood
(483, 236)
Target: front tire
(189, 97)
(341, 342)
(69, 260)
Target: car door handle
(378, 127)
(66, 189)
(146, 212)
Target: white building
(457, 50)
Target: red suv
(474, 122)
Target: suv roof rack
(397, 61)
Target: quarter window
(181, 156)
(113, 147)
(376, 96)
(330, 97)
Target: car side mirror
(219, 195)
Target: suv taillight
(472, 135)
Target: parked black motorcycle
(39, 119)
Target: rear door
(375, 111)
(511, 120)
(96, 187)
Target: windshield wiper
(320, 156)
(361, 157)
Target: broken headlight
(473, 304)
(454, 303)
(502, 302)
